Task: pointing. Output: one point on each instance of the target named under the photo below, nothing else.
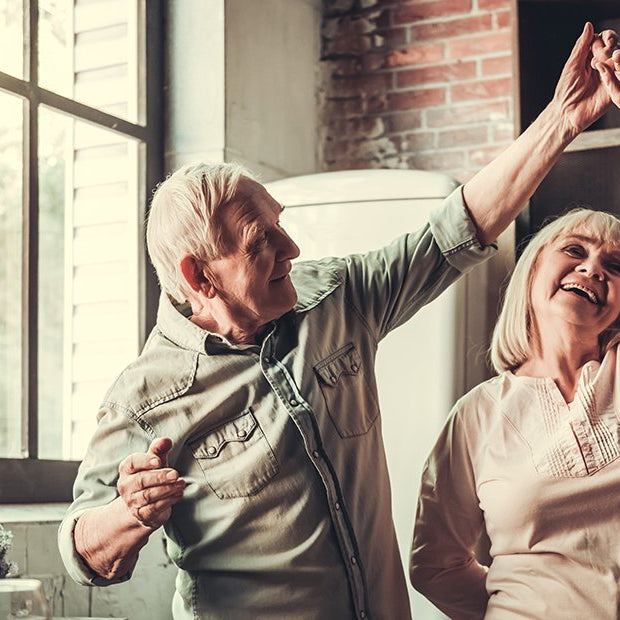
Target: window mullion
(31, 239)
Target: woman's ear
(195, 275)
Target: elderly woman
(532, 454)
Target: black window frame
(30, 479)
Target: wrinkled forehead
(605, 239)
(250, 205)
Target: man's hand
(148, 488)
(606, 60)
(580, 94)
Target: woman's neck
(561, 355)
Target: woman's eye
(574, 250)
(614, 267)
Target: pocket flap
(345, 361)
(239, 429)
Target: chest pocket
(350, 402)
(236, 457)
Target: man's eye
(614, 267)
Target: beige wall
(242, 84)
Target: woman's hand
(148, 488)
(581, 95)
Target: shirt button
(353, 560)
(315, 454)
(337, 505)
(211, 450)
(355, 368)
(333, 379)
(362, 614)
(241, 433)
(267, 360)
(293, 402)
(587, 448)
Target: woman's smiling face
(576, 281)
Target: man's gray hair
(515, 330)
(183, 220)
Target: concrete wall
(147, 596)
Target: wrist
(555, 127)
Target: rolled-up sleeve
(116, 437)
(455, 234)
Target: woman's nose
(592, 268)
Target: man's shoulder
(162, 372)
(314, 280)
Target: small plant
(6, 568)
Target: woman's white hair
(183, 219)
(514, 331)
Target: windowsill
(32, 513)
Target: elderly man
(249, 426)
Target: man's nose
(289, 249)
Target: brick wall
(421, 84)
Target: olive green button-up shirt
(287, 509)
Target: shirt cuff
(77, 568)
(455, 234)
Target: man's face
(252, 275)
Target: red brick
(480, 45)
(489, 5)
(421, 9)
(486, 89)
(403, 121)
(504, 19)
(341, 67)
(360, 127)
(437, 160)
(420, 141)
(395, 37)
(348, 45)
(499, 64)
(343, 107)
(503, 132)
(482, 156)
(416, 98)
(439, 73)
(417, 54)
(373, 61)
(452, 28)
(463, 137)
(461, 115)
(369, 84)
(347, 26)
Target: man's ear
(195, 275)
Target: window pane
(89, 51)
(88, 284)
(12, 39)
(10, 274)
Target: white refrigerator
(439, 354)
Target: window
(80, 149)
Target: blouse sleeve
(449, 523)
